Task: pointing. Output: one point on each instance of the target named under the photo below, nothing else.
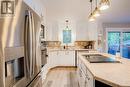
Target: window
(119, 41)
(66, 36)
(126, 45)
(113, 42)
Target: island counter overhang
(114, 74)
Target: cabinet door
(44, 71)
(66, 58)
(84, 72)
(81, 31)
(81, 78)
(52, 59)
(92, 31)
(90, 79)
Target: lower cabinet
(58, 58)
(66, 58)
(61, 58)
(85, 77)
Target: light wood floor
(61, 77)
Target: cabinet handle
(80, 73)
(87, 77)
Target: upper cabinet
(81, 32)
(92, 31)
(36, 5)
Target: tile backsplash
(85, 44)
(78, 44)
(53, 43)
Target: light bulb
(91, 17)
(104, 7)
(96, 12)
(104, 4)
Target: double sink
(97, 58)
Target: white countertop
(115, 74)
(69, 49)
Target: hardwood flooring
(61, 77)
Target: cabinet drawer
(90, 79)
(82, 67)
(81, 78)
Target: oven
(44, 54)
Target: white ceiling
(119, 10)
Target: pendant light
(91, 17)
(67, 28)
(104, 4)
(96, 12)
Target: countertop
(68, 49)
(114, 74)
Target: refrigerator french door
(32, 48)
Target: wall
(110, 25)
(93, 32)
(60, 10)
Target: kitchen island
(111, 74)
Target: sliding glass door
(126, 45)
(119, 41)
(113, 42)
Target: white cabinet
(81, 31)
(85, 77)
(52, 31)
(66, 58)
(58, 58)
(61, 58)
(52, 59)
(93, 31)
(44, 71)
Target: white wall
(58, 11)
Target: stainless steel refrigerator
(20, 58)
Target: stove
(97, 58)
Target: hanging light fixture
(96, 12)
(104, 4)
(91, 17)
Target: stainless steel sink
(97, 58)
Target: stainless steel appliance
(19, 48)
(96, 58)
(14, 71)
(43, 45)
(32, 48)
(42, 33)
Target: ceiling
(119, 11)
